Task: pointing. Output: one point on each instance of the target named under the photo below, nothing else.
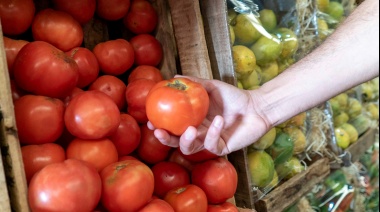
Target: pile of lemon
(261, 49)
(331, 14)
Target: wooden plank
(4, 196)
(365, 142)
(10, 146)
(214, 13)
(190, 38)
(292, 190)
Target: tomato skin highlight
(176, 104)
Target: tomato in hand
(157, 205)
(148, 50)
(188, 198)
(71, 185)
(16, 16)
(127, 136)
(113, 87)
(92, 115)
(36, 157)
(224, 207)
(167, 176)
(141, 18)
(99, 153)
(81, 10)
(39, 119)
(217, 178)
(176, 104)
(88, 66)
(12, 47)
(115, 56)
(126, 185)
(112, 10)
(145, 72)
(42, 69)
(57, 28)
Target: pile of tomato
(82, 124)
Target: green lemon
(232, 34)
(335, 9)
(289, 41)
(354, 107)
(342, 137)
(267, 49)
(268, 19)
(252, 80)
(269, 71)
(298, 138)
(245, 31)
(265, 141)
(352, 132)
(244, 60)
(261, 168)
(322, 5)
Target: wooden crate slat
(365, 142)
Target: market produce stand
(365, 141)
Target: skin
(237, 118)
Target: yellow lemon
(340, 119)
(322, 5)
(298, 138)
(298, 120)
(269, 71)
(261, 168)
(268, 19)
(244, 60)
(265, 141)
(342, 137)
(352, 132)
(245, 31)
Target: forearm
(350, 56)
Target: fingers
(166, 139)
(188, 144)
(213, 141)
(150, 126)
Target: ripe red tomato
(167, 176)
(16, 16)
(92, 115)
(177, 157)
(187, 198)
(115, 56)
(71, 95)
(99, 153)
(148, 50)
(81, 10)
(127, 157)
(112, 10)
(36, 157)
(127, 185)
(57, 28)
(224, 207)
(12, 47)
(142, 18)
(127, 136)
(113, 87)
(176, 104)
(135, 95)
(39, 119)
(145, 72)
(88, 66)
(71, 185)
(42, 69)
(217, 178)
(151, 150)
(200, 156)
(157, 205)
(16, 91)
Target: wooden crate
(357, 149)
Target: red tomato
(176, 104)
(88, 66)
(12, 47)
(92, 115)
(187, 198)
(157, 205)
(148, 50)
(177, 157)
(99, 153)
(142, 18)
(112, 9)
(127, 157)
(127, 136)
(42, 69)
(151, 150)
(58, 28)
(127, 185)
(39, 119)
(16, 16)
(72, 94)
(135, 95)
(81, 10)
(167, 176)
(113, 87)
(200, 156)
(16, 91)
(36, 157)
(145, 72)
(217, 178)
(224, 207)
(71, 185)
(115, 56)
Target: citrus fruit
(268, 19)
(340, 119)
(244, 60)
(335, 9)
(342, 137)
(298, 138)
(269, 71)
(265, 141)
(253, 79)
(283, 64)
(239, 84)
(231, 14)
(289, 41)
(245, 30)
(232, 34)
(354, 107)
(273, 183)
(322, 5)
(261, 168)
(342, 100)
(373, 110)
(298, 120)
(282, 148)
(323, 29)
(290, 168)
(267, 49)
(352, 132)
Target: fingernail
(189, 136)
(218, 122)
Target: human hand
(232, 122)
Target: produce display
(82, 109)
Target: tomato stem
(180, 190)
(177, 85)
